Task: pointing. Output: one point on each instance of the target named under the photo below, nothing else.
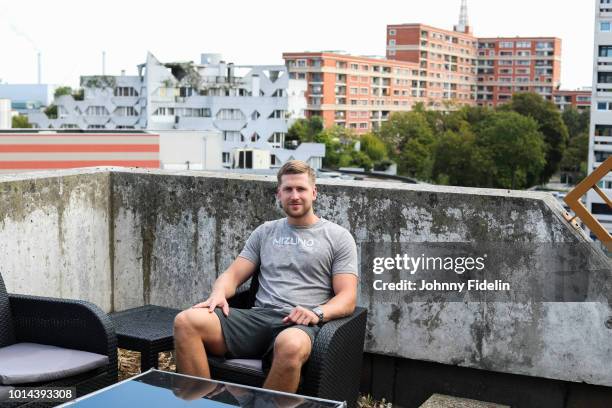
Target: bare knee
(183, 323)
(292, 351)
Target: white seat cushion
(23, 363)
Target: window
(602, 106)
(225, 157)
(277, 139)
(164, 112)
(604, 77)
(354, 66)
(523, 44)
(125, 91)
(277, 114)
(96, 127)
(603, 130)
(230, 114)
(301, 63)
(96, 111)
(506, 44)
(544, 45)
(505, 53)
(604, 26)
(126, 111)
(392, 43)
(523, 53)
(391, 32)
(232, 136)
(605, 50)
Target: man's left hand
(301, 315)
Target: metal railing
(572, 199)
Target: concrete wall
(54, 235)
(170, 235)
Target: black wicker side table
(147, 329)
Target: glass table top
(156, 388)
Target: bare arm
(225, 286)
(342, 304)
(345, 299)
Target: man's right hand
(214, 301)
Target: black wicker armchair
(69, 324)
(334, 368)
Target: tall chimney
(103, 62)
(39, 69)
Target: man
(308, 275)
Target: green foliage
(550, 123)
(576, 121)
(305, 130)
(373, 147)
(51, 111)
(410, 141)
(515, 145)
(98, 81)
(575, 159)
(79, 94)
(21, 122)
(62, 90)
(460, 161)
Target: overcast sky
(71, 34)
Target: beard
(298, 212)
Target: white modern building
(600, 141)
(250, 105)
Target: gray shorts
(250, 333)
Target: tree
(550, 124)
(577, 122)
(62, 90)
(404, 126)
(338, 142)
(460, 161)
(516, 147)
(51, 111)
(373, 147)
(305, 130)
(20, 122)
(574, 163)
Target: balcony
(123, 238)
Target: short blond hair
(296, 167)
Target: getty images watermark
(497, 272)
(414, 264)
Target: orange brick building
(517, 64)
(440, 68)
(448, 57)
(356, 92)
(579, 99)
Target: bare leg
(196, 331)
(291, 350)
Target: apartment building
(579, 98)
(356, 92)
(600, 140)
(448, 59)
(507, 65)
(250, 105)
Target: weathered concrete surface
(54, 235)
(172, 233)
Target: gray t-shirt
(297, 262)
